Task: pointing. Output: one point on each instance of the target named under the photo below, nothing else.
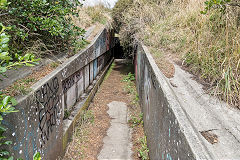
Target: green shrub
(47, 21)
(6, 107)
(7, 60)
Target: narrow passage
(107, 135)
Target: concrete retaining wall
(170, 133)
(38, 126)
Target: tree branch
(234, 4)
(3, 14)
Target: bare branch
(3, 14)
(234, 4)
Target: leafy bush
(46, 21)
(4, 54)
(6, 107)
(8, 61)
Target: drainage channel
(103, 132)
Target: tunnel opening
(118, 52)
(121, 55)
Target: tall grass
(207, 44)
(91, 15)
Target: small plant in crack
(143, 151)
(129, 77)
(129, 87)
(87, 117)
(67, 113)
(136, 120)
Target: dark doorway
(118, 50)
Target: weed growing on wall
(37, 156)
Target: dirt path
(88, 138)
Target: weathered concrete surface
(207, 113)
(117, 143)
(38, 126)
(170, 132)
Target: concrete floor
(117, 143)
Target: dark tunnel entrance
(118, 52)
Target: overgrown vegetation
(204, 35)
(41, 25)
(8, 60)
(125, 26)
(136, 118)
(6, 107)
(143, 151)
(130, 80)
(80, 135)
(92, 15)
(30, 30)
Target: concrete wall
(170, 133)
(38, 126)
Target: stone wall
(38, 126)
(170, 133)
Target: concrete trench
(113, 141)
(181, 121)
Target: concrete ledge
(170, 132)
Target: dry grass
(23, 86)
(76, 150)
(89, 16)
(207, 44)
